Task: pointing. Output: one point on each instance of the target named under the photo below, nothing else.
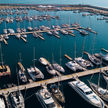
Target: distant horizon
(102, 3)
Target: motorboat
(16, 99)
(45, 98)
(44, 61)
(86, 93)
(58, 67)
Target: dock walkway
(52, 80)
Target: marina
(74, 52)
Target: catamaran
(73, 66)
(84, 63)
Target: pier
(52, 80)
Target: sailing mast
(34, 59)
(1, 55)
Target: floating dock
(52, 80)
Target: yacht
(58, 67)
(16, 100)
(2, 102)
(94, 60)
(45, 98)
(86, 93)
(84, 63)
(51, 70)
(44, 61)
(35, 73)
(73, 66)
(103, 93)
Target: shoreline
(57, 7)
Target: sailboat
(103, 93)
(21, 72)
(29, 27)
(57, 66)
(34, 72)
(4, 69)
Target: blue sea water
(52, 45)
(102, 3)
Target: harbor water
(102, 3)
(51, 47)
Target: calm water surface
(51, 46)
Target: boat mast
(75, 48)
(20, 59)
(60, 56)
(34, 59)
(1, 55)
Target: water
(51, 46)
(102, 3)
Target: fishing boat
(45, 98)
(58, 67)
(94, 60)
(73, 66)
(2, 102)
(44, 61)
(84, 63)
(16, 99)
(51, 70)
(103, 93)
(56, 92)
(86, 93)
